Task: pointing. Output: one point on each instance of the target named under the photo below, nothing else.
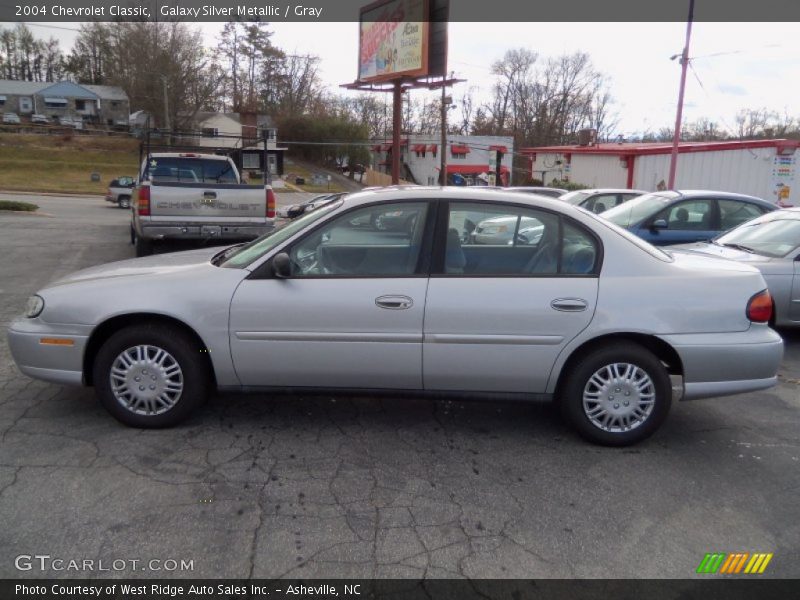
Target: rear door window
(189, 170)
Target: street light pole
(673, 162)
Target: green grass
(14, 205)
(38, 163)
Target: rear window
(189, 170)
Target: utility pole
(166, 104)
(443, 156)
(676, 138)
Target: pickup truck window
(189, 170)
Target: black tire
(182, 349)
(124, 202)
(143, 247)
(578, 381)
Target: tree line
(168, 70)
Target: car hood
(708, 249)
(159, 265)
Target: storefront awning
(459, 149)
(55, 100)
(433, 148)
(503, 149)
(419, 147)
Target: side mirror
(282, 265)
(659, 224)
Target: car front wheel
(617, 395)
(150, 376)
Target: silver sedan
(771, 243)
(587, 314)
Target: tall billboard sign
(393, 41)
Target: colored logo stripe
(758, 563)
(723, 563)
(710, 563)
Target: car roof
(464, 194)
(717, 194)
(611, 191)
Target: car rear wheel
(124, 202)
(617, 395)
(150, 376)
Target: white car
(11, 118)
(591, 316)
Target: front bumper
(195, 231)
(721, 364)
(54, 362)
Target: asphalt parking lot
(340, 487)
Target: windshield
(775, 237)
(632, 212)
(173, 169)
(242, 256)
(574, 197)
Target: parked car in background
(771, 243)
(295, 210)
(544, 191)
(119, 191)
(599, 200)
(11, 118)
(415, 311)
(65, 121)
(680, 217)
(39, 119)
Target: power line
(28, 24)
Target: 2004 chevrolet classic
(584, 313)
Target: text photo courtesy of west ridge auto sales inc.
(401, 299)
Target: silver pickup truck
(196, 197)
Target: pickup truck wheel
(150, 376)
(143, 247)
(617, 395)
(124, 202)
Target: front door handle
(209, 195)
(394, 302)
(569, 304)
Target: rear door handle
(209, 195)
(569, 304)
(394, 302)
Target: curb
(31, 213)
(73, 194)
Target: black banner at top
(348, 10)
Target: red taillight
(270, 203)
(143, 201)
(759, 308)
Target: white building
(763, 168)
(468, 158)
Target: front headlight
(34, 307)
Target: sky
(735, 65)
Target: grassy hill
(64, 163)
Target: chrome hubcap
(619, 397)
(146, 380)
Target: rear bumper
(198, 231)
(722, 364)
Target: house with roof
(242, 132)
(470, 158)
(101, 105)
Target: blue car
(675, 217)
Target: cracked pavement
(259, 486)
